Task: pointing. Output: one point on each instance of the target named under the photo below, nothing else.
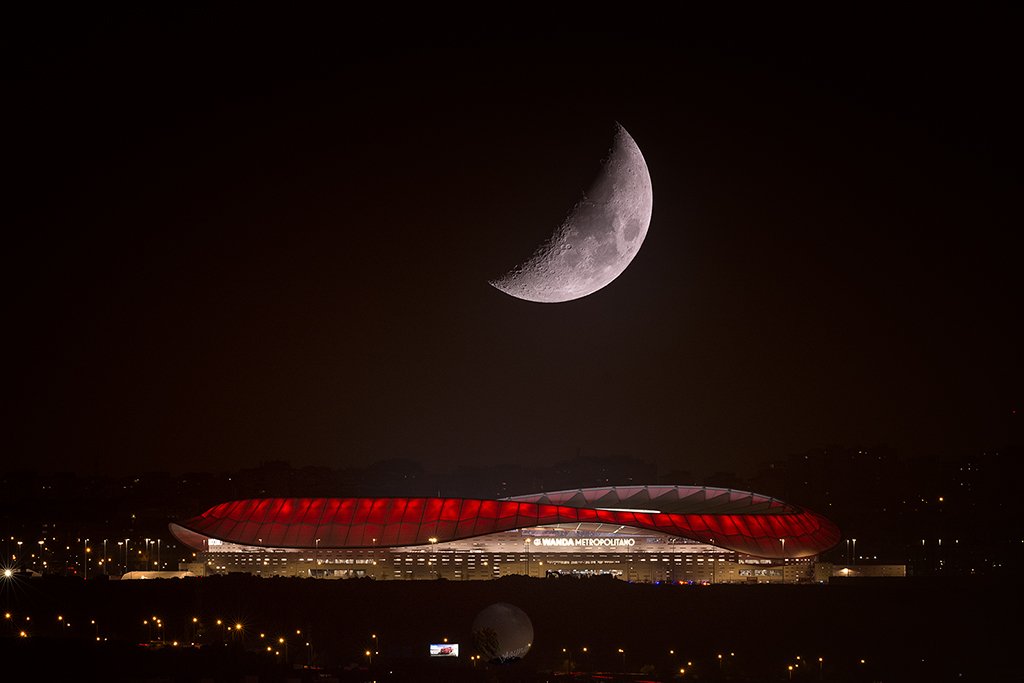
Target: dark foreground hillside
(902, 629)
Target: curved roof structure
(726, 518)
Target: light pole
(126, 555)
(433, 557)
(855, 551)
(158, 566)
(85, 557)
(105, 557)
(623, 653)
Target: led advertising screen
(444, 650)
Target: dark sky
(234, 238)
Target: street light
(623, 653)
(855, 551)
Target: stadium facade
(638, 533)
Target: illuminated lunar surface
(502, 633)
(599, 237)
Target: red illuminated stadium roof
(734, 520)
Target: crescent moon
(598, 238)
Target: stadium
(690, 534)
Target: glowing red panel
(607, 516)
(470, 509)
(432, 510)
(362, 510)
(488, 509)
(644, 520)
(379, 510)
(414, 511)
(345, 511)
(450, 509)
(397, 511)
(508, 509)
(578, 514)
(547, 512)
(695, 522)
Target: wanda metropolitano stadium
(638, 533)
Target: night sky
(235, 238)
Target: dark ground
(904, 629)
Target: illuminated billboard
(444, 649)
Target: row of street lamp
(19, 559)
